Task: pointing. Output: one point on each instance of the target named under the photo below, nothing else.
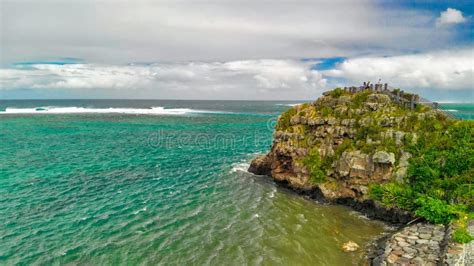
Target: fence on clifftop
(438, 107)
(407, 100)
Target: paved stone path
(418, 244)
(425, 244)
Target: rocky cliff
(342, 143)
(394, 163)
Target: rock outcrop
(355, 139)
(341, 146)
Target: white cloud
(250, 79)
(445, 70)
(450, 16)
(148, 31)
(450, 71)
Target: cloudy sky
(233, 49)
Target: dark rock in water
(260, 166)
(375, 211)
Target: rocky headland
(409, 165)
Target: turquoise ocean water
(157, 182)
(460, 110)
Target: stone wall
(458, 254)
(418, 244)
(423, 244)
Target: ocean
(460, 110)
(158, 182)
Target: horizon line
(170, 99)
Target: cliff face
(392, 162)
(343, 142)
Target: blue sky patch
(327, 63)
(59, 61)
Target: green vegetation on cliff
(440, 176)
(416, 160)
(315, 166)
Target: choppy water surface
(461, 110)
(124, 188)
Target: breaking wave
(240, 167)
(288, 104)
(83, 110)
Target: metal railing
(398, 96)
(438, 107)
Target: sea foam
(288, 104)
(240, 167)
(83, 110)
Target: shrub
(389, 145)
(420, 108)
(360, 98)
(315, 166)
(372, 130)
(411, 122)
(337, 92)
(284, 120)
(346, 145)
(326, 111)
(398, 195)
(305, 105)
(376, 192)
(463, 194)
(437, 211)
(461, 235)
